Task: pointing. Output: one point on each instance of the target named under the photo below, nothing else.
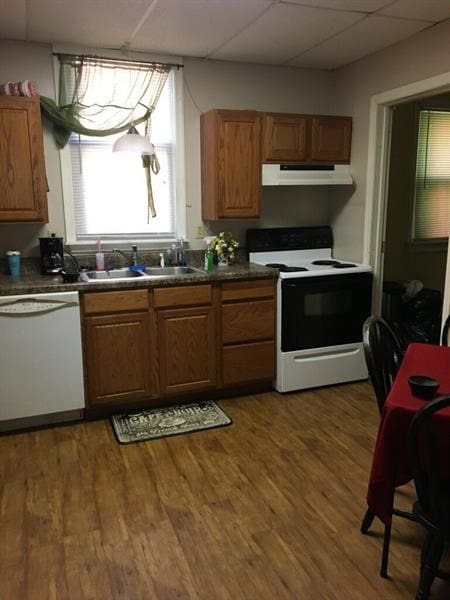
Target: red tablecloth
(390, 464)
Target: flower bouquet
(224, 246)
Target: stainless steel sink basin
(126, 274)
(112, 275)
(170, 271)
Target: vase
(222, 261)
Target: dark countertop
(34, 283)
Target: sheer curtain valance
(101, 97)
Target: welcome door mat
(155, 423)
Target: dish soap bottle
(99, 257)
(209, 259)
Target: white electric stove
(322, 303)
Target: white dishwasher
(41, 366)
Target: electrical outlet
(200, 232)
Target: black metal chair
(384, 354)
(432, 508)
(444, 336)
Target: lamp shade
(132, 141)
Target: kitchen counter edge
(41, 284)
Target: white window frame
(180, 181)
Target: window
(431, 210)
(105, 193)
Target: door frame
(378, 155)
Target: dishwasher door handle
(32, 306)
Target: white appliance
(41, 372)
(306, 175)
(322, 303)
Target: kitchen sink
(170, 271)
(112, 275)
(127, 274)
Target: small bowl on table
(423, 386)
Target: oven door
(324, 311)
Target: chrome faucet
(181, 256)
(134, 258)
(135, 254)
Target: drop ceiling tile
(367, 6)
(13, 20)
(431, 10)
(366, 37)
(195, 27)
(103, 23)
(284, 31)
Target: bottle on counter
(99, 257)
(209, 260)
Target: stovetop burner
(343, 265)
(327, 262)
(285, 268)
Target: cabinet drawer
(109, 302)
(190, 295)
(248, 321)
(248, 362)
(241, 290)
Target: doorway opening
(379, 159)
(414, 263)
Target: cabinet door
(231, 164)
(246, 363)
(117, 358)
(23, 190)
(331, 139)
(248, 321)
(285, 138)
(187, 352)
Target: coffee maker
(52, 255)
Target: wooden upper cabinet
(331, 139)
(285, 137)
(23, 188)
(231, 164)
(306, 139)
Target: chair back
(383, 353)
(426, 451)
(444, 337)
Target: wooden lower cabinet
(248, 332)
(117, 358)
(144, 345)
(187, 349)
(248, 321)
(246, 363)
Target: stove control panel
(289, 238)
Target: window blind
(432, 189)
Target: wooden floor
(269, 507)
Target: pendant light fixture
(134, 142)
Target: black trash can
(391, 302)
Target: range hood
(306, 175)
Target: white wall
(215, 84)
(422, 56)
(209, 84)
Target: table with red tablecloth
(390, 464)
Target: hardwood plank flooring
(269, 507)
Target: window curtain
(432, 193)
(101, 97)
